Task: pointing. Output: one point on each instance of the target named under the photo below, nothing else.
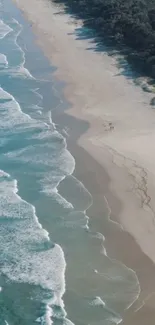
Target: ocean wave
(12, 118)
(3, 61)
(4, 29)
(46, 318)
(12, 33)
(57, 197)
(21, 235)
(112, 317)
(22, 71)
(98, 302)
(29, 256)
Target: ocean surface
(53, 267)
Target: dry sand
(120, 138)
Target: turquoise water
(53, 267)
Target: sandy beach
(114, 154)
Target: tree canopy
(127, 23)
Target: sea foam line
(58, 296)
(5, 94)
(3, 61)
(22, 67)
(48, 309)
(4, 29)
(28, 115)
(114, 260)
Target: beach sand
(114, 151)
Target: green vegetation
(129, 24)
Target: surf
(38, 188)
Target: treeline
(126, 23)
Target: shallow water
(46, 246)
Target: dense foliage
(125, 22)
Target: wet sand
(119, 244)
(113, 148)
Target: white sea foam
(58, 198)
(46, 318)
(28, 256)
(22, 70)
(49, 134)
(3, 61)
(43, 155)
(39, 112)
(13, 107)
(87, 222)
(4, 29)
(12, 119)
(98, 302)
(36, 92)
(113, 318)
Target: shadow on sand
(122, 54)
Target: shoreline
(90, 145)
(115, 237)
